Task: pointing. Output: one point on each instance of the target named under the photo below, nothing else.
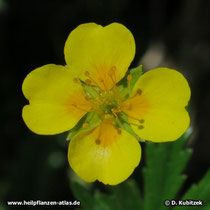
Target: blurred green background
(169, 33)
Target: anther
(102, 81)
(75, 80)
(139, 91)
(141, 121)
(119, 131)
(99, 102)
(140, 127)
(137, 137)
(129, 77)
(85, 125)
(74, 105)
(86, 97)
(113, 68)
(112, 71)
(87, 73)
(88, 82)
(98, 141)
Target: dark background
(173, 33)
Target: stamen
(112, 74)
(98, 93)
(99, 135)
(86, 90)
(113, 68)
(88, 81)
(114, 112)
(99, 102)
(119, 130)
(85, 125)
(129, 78)
(134, 118)
(74, 105)
(141, 121)
(139, 91)
(75, 80)
(87, 74)
(139, 126)
(134, 124)
(102, 81)
(87, 98)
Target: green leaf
(123, 83)
(163, 173)
(199, 191)
(91, 118)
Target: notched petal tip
(96, 49)
(110, 163)
(51, 92)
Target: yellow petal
(158, 105)
(56, 102)
(104, 153)
(105, 52)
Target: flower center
(106, 103)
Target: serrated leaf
(199, 191)
(123, 83)
(91, 118)
(163, 173)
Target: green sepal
(123, 83)
(89, 90)
(123, 123)
(91, 118)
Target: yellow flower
(100, 56)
